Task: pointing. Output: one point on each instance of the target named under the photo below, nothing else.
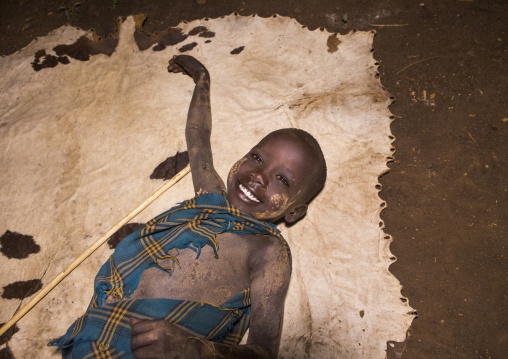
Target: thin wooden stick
(92, 249)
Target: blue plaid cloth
(104, 330)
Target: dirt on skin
(234, 169)
(445, 64)
(279, 201)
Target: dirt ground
(445, 64)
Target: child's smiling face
(271, 181)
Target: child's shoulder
(269, 249)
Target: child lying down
(168, 292)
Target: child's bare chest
(204, 279)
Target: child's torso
(205, 279)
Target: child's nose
(259, 177)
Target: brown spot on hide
(188, 47)
(48, 62)
(332, 43)
(237, 50)
(16, 245)
(208, 41)
(5, 337)
(122, 233)
(169, 37)
(207, 34)
(84, 47)
(171, 166)
(6, 353)
(362, 313)
(63, 60)
(197, 30)
(20, 290)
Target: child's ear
(297, 212)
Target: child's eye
(256, 157)
(283, 180)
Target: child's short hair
(320, 174)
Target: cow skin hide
(80, 140)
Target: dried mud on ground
(445, 63)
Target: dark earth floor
(445, 63)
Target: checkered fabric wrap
(104, 330)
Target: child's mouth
(248, 193)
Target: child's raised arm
(199, 126)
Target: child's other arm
(199, 126)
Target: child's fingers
(173, 64)
(139, 326)
(173, 61)
(181, 61)
(174, 68)
(140, 340)
(133, 321)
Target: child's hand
(160, 339)
(188, 65)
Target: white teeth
(248, 193)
